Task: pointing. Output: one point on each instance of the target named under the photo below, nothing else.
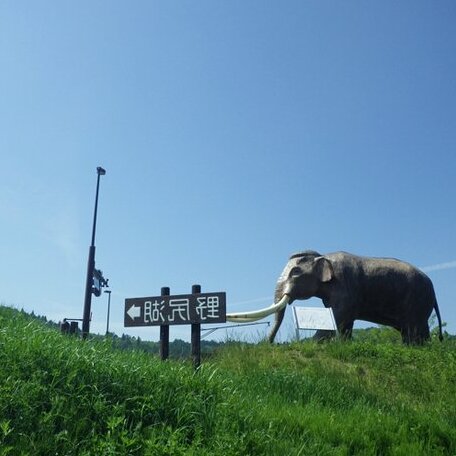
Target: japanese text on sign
(175, 310)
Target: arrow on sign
(134, 312)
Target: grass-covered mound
(350, 398)
(62, 396)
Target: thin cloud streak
(439, 266)
(251, 301)
(433, 267)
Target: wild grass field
(62, 396)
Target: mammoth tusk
(247, 317)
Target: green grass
(62, 396)
(352, 398)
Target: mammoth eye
(295, 272)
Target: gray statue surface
(385, 291)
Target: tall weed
(62, 396)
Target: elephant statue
(380, 290)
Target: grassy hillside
(62, 396)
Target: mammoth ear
(324, 269)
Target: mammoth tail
(437, 312)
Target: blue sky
(233, 134)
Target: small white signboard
(314, 318)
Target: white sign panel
(314, 318)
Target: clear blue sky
(233, 134)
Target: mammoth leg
(405, 334)
(416, 334)
(278, 321)
(343, 314)
(324, 334)
(345, 332)
(345, 329)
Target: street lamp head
(101, 171)
(107, 291)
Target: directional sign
(175, 310)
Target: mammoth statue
(380, 290)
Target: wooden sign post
(166, 310)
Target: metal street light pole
(109, 307)
(91, 264)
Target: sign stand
(164, 332)
(196, 335)
(167, 310)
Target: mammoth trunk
(278, 318)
